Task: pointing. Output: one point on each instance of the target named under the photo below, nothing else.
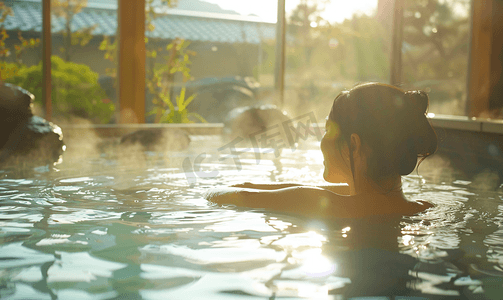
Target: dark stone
(35, 139)
(15, 108)
(22, 134)
(14, 102)
(158, 139)
(246, 122)
(216, 97)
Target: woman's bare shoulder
(317, 202)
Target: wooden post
(132, 57)
(496, 80)
(279, 83)
(396, 44)
(46, 59)
(479, 60)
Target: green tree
(67, 9)
(437, 36)
(304, 24)
(75, 89)
(436, 43)
(324, 58)
(8, 70)
(5, 11)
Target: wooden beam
(46, 59)
(132, 57)
(396, 44)
(279, 83)
(479, 60)
(496, 80)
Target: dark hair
(392, 123)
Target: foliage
(439, 39)
(67, 9)
(305, 18)
(319, 52)
(5, 11)
(75, 89)
(160, 76)
(304, 24)
(178, 114)
(110, 49)
(8, 70)
(268, 59)
(324, 58)
(435, 55)
(366, 44)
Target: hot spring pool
(130, 226)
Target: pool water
(134, 225)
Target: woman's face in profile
(336, 158)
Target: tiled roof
(190, 25)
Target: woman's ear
(345, 151)
(355, 145)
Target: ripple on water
(76, 215)
(225, 255)
(80, 267)
(113, 229)
(16, 255)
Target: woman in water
(375, 133)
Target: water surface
(134, 225)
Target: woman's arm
(338, 188)
(266, 186)
(303, 200)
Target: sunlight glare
(338, 11)
(318, 266)
(408, 240)
(298, 240)
(335, 11)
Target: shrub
(75, 89)
(178, 114)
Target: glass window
(83, 60)
(331, 46)
(435, 52)
(216, 54)
(20, 46)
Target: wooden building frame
(484, 82)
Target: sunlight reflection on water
(109, 227)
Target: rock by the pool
(247, 122)
(15, 102)
(34, 139)
(25, 137)
(158, 139)
(15, 107)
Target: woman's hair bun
(419, 99)
(422, 140)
